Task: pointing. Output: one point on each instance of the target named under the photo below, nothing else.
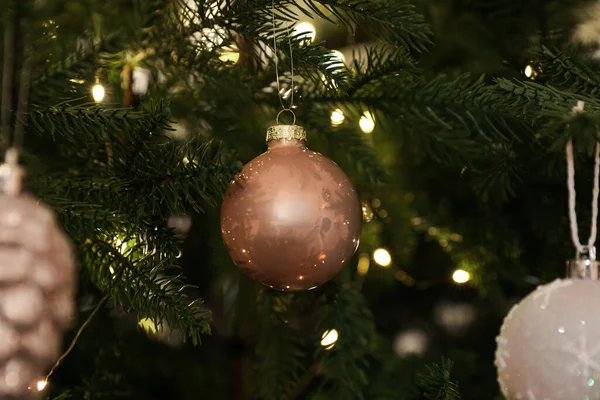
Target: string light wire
(572, 194)
(76, 338)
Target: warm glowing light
(367, 122)
(229, 55)
(148, 325)
(382, 257)
(98, 93)
(461, 276)
(412, 341)
(329, 339)
(528, 71)
(337, 117)
(41, 385)
(338, 56)
(306, 30)
(364, 262)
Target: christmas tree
(449, 117)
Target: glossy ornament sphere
(291, 219)
(549, 344)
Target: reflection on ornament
(306, 31)
(98, 93)
(291, 218)
(364, 261)
(338, 56)
(367, 122)
(382, 257)
(412, 341)
(329, 339)
(461, 276)
(454, 316)
(549, 343)
(337, 117)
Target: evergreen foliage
(465, 164)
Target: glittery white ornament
(549, 344)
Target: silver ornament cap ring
(584, 266)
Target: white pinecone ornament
(37, 286)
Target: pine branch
(280, 352)
(436, 383)
(390, 21)
(344, 368)
(382, 62)
(137, 280)
(566, 72)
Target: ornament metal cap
(287, 132)
(585, 265)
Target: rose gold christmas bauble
(291, 219)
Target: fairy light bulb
(306, 31)
(363, 264)
(98, 92)
(367, 122)
(329, 339)
(382, 257)
(148, 325)
(337, 117)
(229, 55)
(461, 276)
(41, 385)
(338, 56)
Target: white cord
(571, 187)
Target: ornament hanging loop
(286, 110)
(584, 266)
(581, 249)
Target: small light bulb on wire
(531, 71)
(337, 117)
(41, 385)
(339, 56)
(329, 339)
(382, 257)
(306, 31)
(461, 276)
(98, 92)
(367, 122)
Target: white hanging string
(283, 107)
(571, 187)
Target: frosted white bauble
(549, 344)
